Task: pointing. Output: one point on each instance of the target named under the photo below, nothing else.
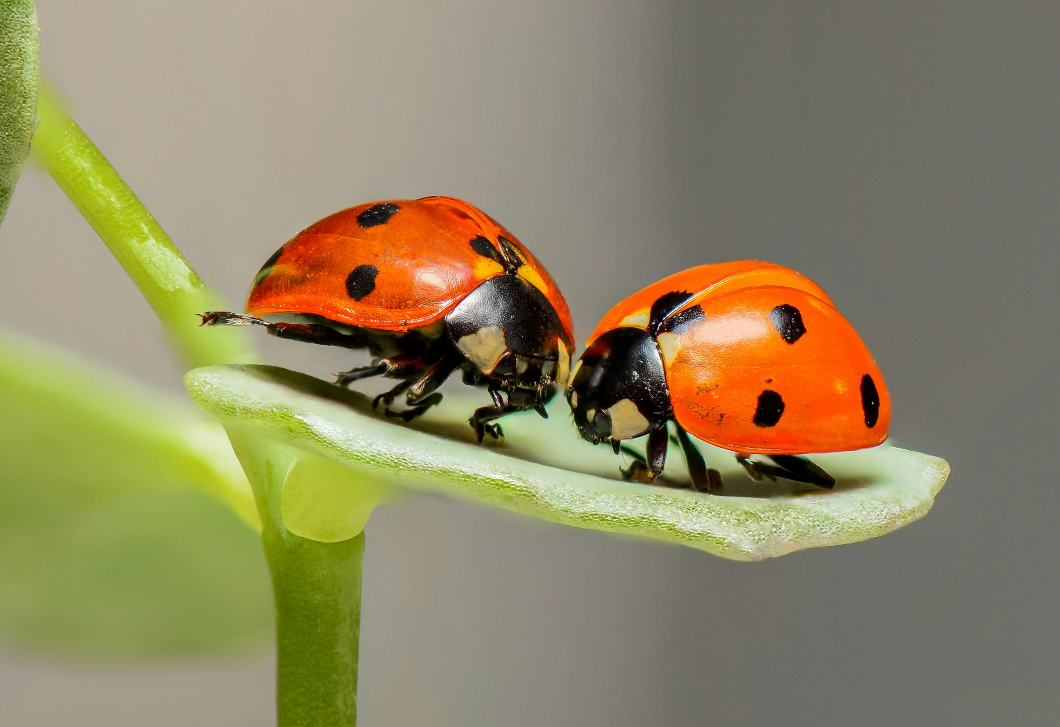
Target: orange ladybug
(748, 356)
(428, 286)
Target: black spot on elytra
(870, 401)
(788, 321)
(378, 214)
(485, 248)
(267, 267)
(674, 322)
(770, 407)
(663, 306)
(361, 281)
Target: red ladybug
(748, 356)
(428, 286)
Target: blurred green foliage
(19, 72)
(113, 537)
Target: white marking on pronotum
(639, 320)
(564, 363)
(669, 344)
(574, 399)
(626, 420)
(484, 348)
(574, 373)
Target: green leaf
(544, 470)
(112, 539)
(18, 91)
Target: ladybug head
(511, 336)
(618, 388)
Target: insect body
(428, 286)
(749, 356)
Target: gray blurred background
(905, 155)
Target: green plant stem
(141, 246)
(317, 592)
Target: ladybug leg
(482, 417)
(361, 372)
(409, 414)
(387, 397)
(703, 479)
(402, 366)
(419, 384)
(646, 470)
(421, 394)
(757, 471)
(305, 332)
(495, 394)
(801, 469)
(788, 467)
(424, 388)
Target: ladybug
(427, 286)
(748, 356)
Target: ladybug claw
(405, 416)
(482, 428)
(225, 318)
(750, 469)
(420, 407)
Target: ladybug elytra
(748, 356)
(428, 287)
